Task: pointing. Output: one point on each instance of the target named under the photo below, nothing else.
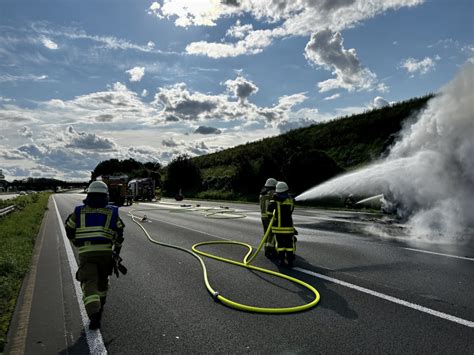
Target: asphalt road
(380, 292)
(7, 196)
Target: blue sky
(86, 81)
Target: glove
(296, 232)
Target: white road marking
(430, 311)
(448, 255)
(93, 337)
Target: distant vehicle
(142, 189)
(179, 196)
(22, 193)
(117, 188)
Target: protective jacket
(283, 205)
(95, 229)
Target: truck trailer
(142, 189)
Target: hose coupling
(215, 295)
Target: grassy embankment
(18, 232)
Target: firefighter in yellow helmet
(266, 195)
(96, 229)
(285, 240)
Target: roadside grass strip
(18, 232)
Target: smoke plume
(429, 173)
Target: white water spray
(430, 171)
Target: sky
(86, 81)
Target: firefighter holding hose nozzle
(285, 241)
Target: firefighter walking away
(96, 229)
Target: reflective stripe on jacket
(95, 228)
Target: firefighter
(285, 240)
(266, 195)
(96, 229)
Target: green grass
(18, 232)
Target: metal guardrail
(6, 210)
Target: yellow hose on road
(246, 264)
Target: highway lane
(163, 306)
(8, 196)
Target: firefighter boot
(95, 321)
(290, 256)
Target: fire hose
(245, 263)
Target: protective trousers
(270, 242)
(93, 274)
(285, 244)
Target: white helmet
(281, 187)
(271, 182)
(98, 187)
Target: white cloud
(253, 43)
(48, 43)
(207, 130)
(422, 66)
(179, 103)
(25, 132)
(326, 49)
(136, 73)
(282, 110)
(293, 18)
(238, 30)
(169, 142)
(108, 42)
(88, 141)
(28, 77)
(144, 153)
(332, 97)
(155, 9)
(379, 102)
(144, 93)
(191, 13)
(12, 114)
(241, 88)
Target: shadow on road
(329, 299)
(79, 347)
